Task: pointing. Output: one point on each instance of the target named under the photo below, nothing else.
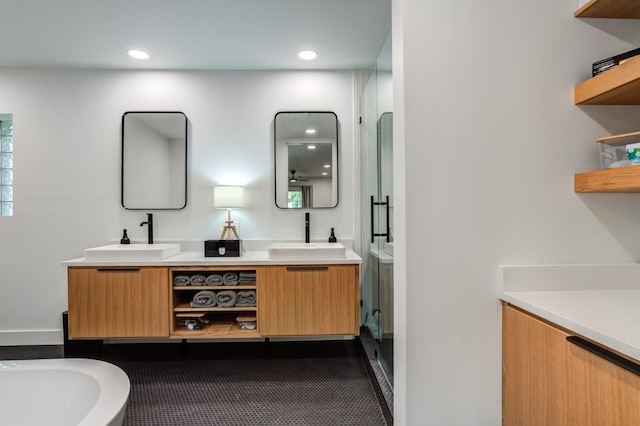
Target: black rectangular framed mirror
(154, 160)
(306, 159)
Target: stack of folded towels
(223, 299)
(211, 280)
(247, 277)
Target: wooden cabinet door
(118, 302)
(535, 366)
(600, 392)
(549, 381)
(308, 300)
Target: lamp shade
(228, 197)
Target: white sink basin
(132, 252)
(306, 251)
(388, 248)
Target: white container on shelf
(614, 150)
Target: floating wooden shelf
(609, 9)
(216, 288)
(622, 179)
(622, 139)
(617, 86)
(217, 330)
(185, 307)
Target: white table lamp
(228, 197)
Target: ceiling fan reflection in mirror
(294, 179)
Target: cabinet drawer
(118, 302)
(308, 300)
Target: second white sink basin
(132, 252)
(306, 251)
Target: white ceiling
(192, 34)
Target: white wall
(491, 85)
(67, 170)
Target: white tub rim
(113, 382)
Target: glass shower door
(369, 189)
(376, 176)
(385, 243)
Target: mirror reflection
(154, 160)
(306, 156)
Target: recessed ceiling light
(311, 146)
(307, 54)
(324, 173)
(326, 166)
(310, 131)
(138, 54)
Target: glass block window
(6, 165)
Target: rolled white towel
(226, 298)
(204, 299)
(198, 279)
(214, 279)
(246, 298)
(180, 280)
(230, 278)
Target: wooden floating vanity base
(143, 302)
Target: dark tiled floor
(299, 383)
(381, 381)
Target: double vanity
(132, 291)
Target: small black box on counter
(223, 248)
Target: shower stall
(376, 207)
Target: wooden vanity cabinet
(143, 302)
(549, 381)
(118, 302)
(309, 300)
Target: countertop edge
(557, 318)
(538, 290)
(259, 258)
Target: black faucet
(149, 223)
(306, 227)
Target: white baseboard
(31, 337)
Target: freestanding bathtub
(62, 392)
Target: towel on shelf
(230, 278)
(204, 299)
(198, 279)
(247, 278)
(214, 279)
(180, 280)
(190, 324)
(226, 298)
(246, 298)
(247, 325)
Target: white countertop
(196, 258)
(599, 302)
